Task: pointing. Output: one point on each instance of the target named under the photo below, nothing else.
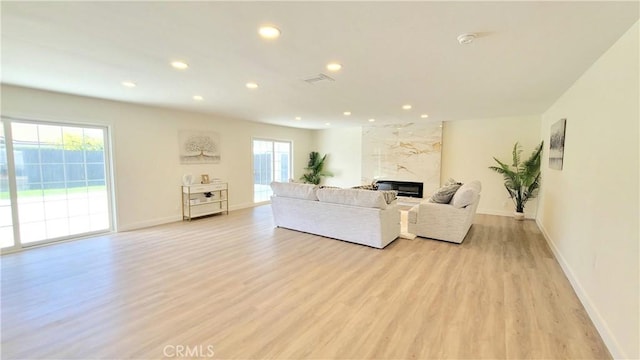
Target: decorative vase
(518, 216)
(187, 179)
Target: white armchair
(449, 222)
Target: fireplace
(404, 188)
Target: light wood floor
(252, 291)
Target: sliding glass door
(61, 181)
(6, 215)
(271, 162)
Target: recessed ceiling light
(466, 38)
(179, 65)
(252, 85)
(328, 124)
(298, 118)
(129, 84)
(424, 116)
(334, 66)
(347, 113)
(372, 120)
(269, 32)
(406, 107)
(197, 97)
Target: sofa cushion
(466, 194)
(295, 190)
(412, 216)
(445, 193)
(353, 197)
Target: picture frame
(556, 144)
(199, 147)
(204, 179)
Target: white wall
(468, 148)
(589, 210)
(147, 170)
(344, 149)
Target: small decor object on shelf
(187, 179)
(205, 179)
(522, 178)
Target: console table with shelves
(204, 199)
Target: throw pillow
(452, 181)
(467, 194)
(365, 187)
(389, 195)
(445, 193)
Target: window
(60, 172)
(271, 162)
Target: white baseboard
(178, 217)
(247, 205)
(502, 213)
(494, 212)
(600, 324)
(148, 223)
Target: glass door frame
(13, 187)
(291, 170)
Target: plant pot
(518, 216)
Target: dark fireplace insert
(404, 188)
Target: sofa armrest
(427, 210)
(442, 221)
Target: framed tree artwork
(198, 147)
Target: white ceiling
(393, 53)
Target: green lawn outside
(29, 193)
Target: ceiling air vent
(318, 78)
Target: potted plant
(315, 167)
(522, 178)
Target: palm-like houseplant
(315, 168)
(521, 178)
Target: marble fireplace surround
(403, 153)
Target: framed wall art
(556, 144)
(198, 147)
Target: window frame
(273, 141)
(18, 245)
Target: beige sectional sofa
(363, 217)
